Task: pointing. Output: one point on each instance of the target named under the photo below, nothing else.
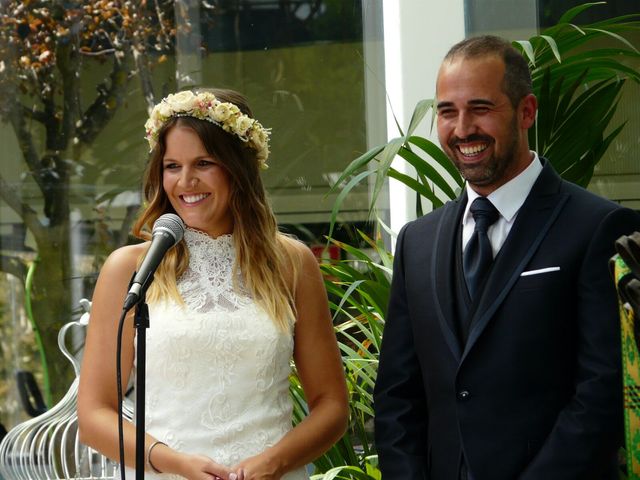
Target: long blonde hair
(261, 252)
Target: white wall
(417, 35)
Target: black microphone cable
(120, 395)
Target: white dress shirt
(507, 199)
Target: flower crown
(205, 106)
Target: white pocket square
(539, 271)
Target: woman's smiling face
(197, 185)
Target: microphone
(167, 231)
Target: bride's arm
(320, 369)
(97, 396)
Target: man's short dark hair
(517, 76)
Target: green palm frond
(578, 72)
(358, 291)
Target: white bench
(46, 447)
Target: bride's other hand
(258, 467)
(201, 467)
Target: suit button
(463, 395)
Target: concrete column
(417, 35)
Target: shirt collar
(509, 197)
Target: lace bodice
(217, 367)
(208, 283)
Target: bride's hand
(201, 467)
(259, 467)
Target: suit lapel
(442, 269)
(537, 214)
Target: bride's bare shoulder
(124, 260)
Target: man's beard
(493, 168)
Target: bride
(229, 307)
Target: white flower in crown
(221, 112)
(258, 138)
(243, 124)
(181, 101)
(164, 110)
(205, 106)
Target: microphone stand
(141, 323)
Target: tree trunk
(51, 303)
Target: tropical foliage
(358, 290)
(578, 87)
(578, 82)
(577, 77)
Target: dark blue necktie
(478, 254)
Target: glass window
(617, 175)
(77, 84)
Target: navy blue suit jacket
(535, 393)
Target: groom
(501, 350)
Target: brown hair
(517, 76)
(260, 251)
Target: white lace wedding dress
(217, 367)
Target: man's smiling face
(478, 127)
